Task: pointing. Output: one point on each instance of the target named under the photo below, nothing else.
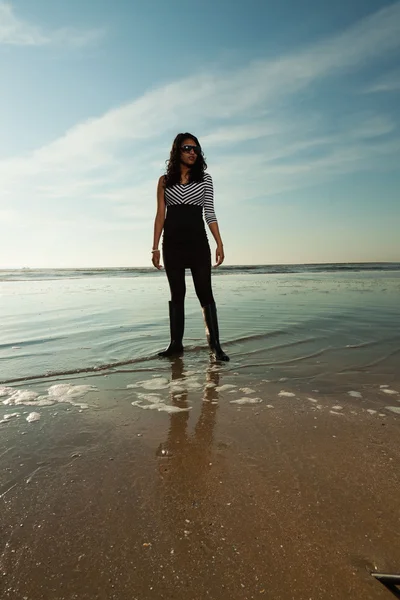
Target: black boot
(177, 325)
(210, 319)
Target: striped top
(198, 194)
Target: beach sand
(288, 495)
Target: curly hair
(173, 164)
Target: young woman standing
(184, 193)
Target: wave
(25, 343)
(83, 370)
(378, 361)
(9, 275)
(87, 370)
(114, 367)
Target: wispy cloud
(389, 82)
(14, 31)
(115, 158)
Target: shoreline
(278, 499)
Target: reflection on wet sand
(179, 442)
(187, 486)
(257, 503)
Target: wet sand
(283, 499)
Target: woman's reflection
(188, 485)
(179, 444)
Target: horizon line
(370, 262)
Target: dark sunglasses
(188, 147)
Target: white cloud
(16, 32)
(234, 134)
(114, 159)
(368, 125)
(390, 82)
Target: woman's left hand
(219, 255)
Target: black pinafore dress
(185, 242)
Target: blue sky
(296, 104)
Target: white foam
(5, 391)
(333, 412)
(191, 383)
(20, 397)
(370, 411)
(246, 390)
(40, 401)
(312, 400)
(184, 385)
(270, 406)
(158, 383)
(383, 386)
(68, 393)
(337, 407)
(394, 409)
(8, 417)
(59, 393)
(286, 394)
(246, 400)
(354, 394)
(388, 391)
(150, 397)
(67, 390)
(32, 417)
(225, 387)
(156, 403)
(177, 387)
(161, 407)
(210, 385)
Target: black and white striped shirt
(199, 194)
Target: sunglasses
(188, 147)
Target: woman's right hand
(155, 259)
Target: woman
(184, 192)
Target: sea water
(314, 323)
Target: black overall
(185, 246)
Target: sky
(296, 105)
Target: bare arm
(216, 233)
(158, 222)
(160, 215)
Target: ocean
(335, 326)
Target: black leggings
(202, 284)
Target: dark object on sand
(391, 582)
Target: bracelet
(156, 250)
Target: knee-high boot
(176, 325)
(211, 322)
